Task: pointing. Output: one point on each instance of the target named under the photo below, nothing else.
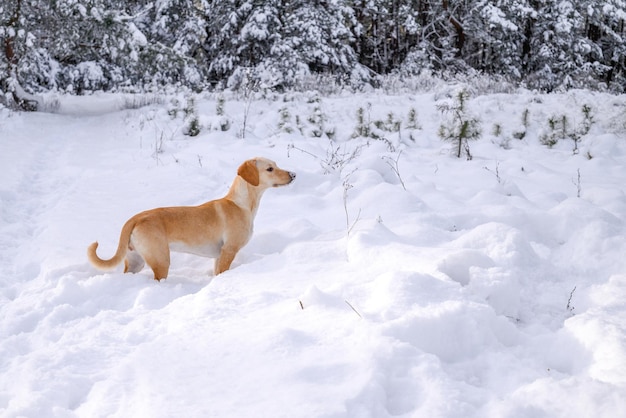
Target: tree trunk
(460, 32)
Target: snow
(487, 288)
(497, 17)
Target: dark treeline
(85, 45)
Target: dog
(217, 229)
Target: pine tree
(17, 41)
(440, 40)
(315, 38)
(495, 32)
(604, 28)
(386, 31)
(240, 36)
(87, 45)
(277, 43)
(557, 57)
(176, 33)
(102, 45)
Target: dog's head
(261, 172)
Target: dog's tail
(120, 254)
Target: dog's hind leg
(158, 258)
(160, 271)
(154, 249)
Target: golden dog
(219, 228)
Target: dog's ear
(249, 172)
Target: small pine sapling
(284, 123)
(220, 105)
(412, 122)
(378, 129)
(362, 125)
(313, 125)
(299, 124)
(522, 134)
(193, 125)
(391, 124)
(559, 129)
(504, 141)
(330, 133)
(583, 128)
(193, 129)
(190, 107)
(317, 119)
(460, 128)
(173, 108)
(383, 127)
(220, 111)
(497, 129)
(588, 120)
(557, 126)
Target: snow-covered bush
(459, 127)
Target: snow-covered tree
(555, 55)
(495, 37)
(17, 39)
(276, 43)
(574, 43)
(176, 33)
(315, 38)
(86, 45)
(386, 31)
(605, 29)
(441, 37)
(239, 36)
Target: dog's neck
(245, 195)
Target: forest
(81, 46)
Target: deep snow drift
(390, 279)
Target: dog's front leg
(223, 262)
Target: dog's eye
(270, 169)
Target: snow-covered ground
(390, 279)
